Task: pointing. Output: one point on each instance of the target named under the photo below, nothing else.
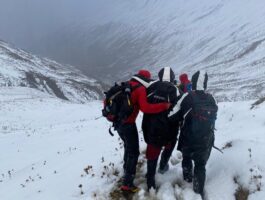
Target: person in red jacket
(128, 130)
(185, 84)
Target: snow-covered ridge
(19, 68)
(224, 37)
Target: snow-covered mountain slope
(19, 68)
(53, 149)
(224, 37)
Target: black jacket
(197, 130)
(157, 128)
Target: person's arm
(146, 107)
(181, 108)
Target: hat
(144, 73)
(199, 81)
(184, 78)
(166, 74)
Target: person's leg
(165, 156)
(187, 165)
(122, 131)
(200, 160)
(131, 152)
(199, 175)
(152, 154)
(125, 156)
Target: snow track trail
(53, 149)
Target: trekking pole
(218, 149)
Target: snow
(46, 143)
(20, 68)
(56, 149)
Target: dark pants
(200, 157)
(129, 135)
(152, 154)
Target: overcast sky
(60, 29)
(100, 37)
(22, 21)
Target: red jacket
(139, 100)
(185, 84)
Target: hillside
(224, 37)
(22, 69)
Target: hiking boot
(120, 182)
(203, 195)
(198, 183)
(151, 183)
(187, 176)
(187, 169)
(150, 176)
(165, 156)
(164, 169)
(131, 188)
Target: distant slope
(224, 37)
(19, 68)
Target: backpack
(117, 104)
(203, 117)
(188, 87)
(156, 127)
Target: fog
(106, 39)
(49, 27)
(23, 22)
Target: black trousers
(129, 135)
(200, 156)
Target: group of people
(173, 112)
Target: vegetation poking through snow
(227, 145)
(81, 189)
(241, 193)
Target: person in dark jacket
(128, 130)
(185, 84)
(198, 111)
(157, 129)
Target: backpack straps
(144, 83)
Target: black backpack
(203, 117)
(160, 92)
(117, 104)
(157, 129)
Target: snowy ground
(52, 149)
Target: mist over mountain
(110, 39)
(22, 70)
